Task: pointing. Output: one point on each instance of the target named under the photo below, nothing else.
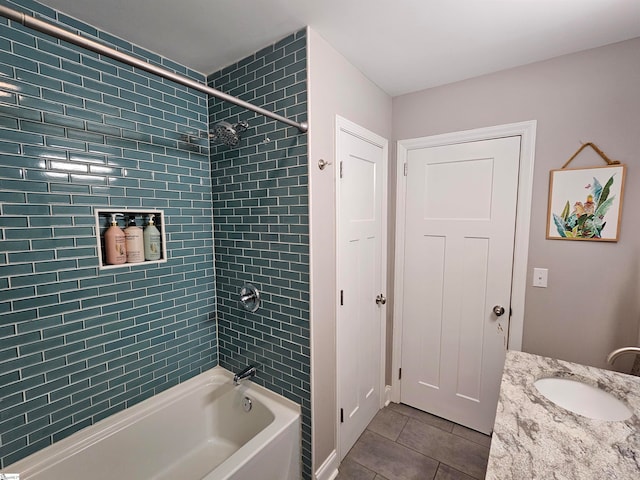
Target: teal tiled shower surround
(261, 224)
(79, 132)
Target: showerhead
(228, 134)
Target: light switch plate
(540, 276)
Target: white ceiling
(401, 45)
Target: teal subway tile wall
(79, 132)
(261, 224)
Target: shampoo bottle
(114, 243)
(134, 242)
(151, 241)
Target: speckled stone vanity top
(533, 438)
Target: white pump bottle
(152, 249)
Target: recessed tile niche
(141, 217)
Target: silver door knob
(381, 299)
(498, 310)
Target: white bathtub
(195, 430)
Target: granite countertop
(533, 438)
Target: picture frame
(586, 203)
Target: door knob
(381, 299)
(498, 310)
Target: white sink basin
(583, 399)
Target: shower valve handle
(246, 298)
(250, 297)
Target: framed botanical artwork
(586, 203)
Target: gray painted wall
(592, 304)
(335, 88)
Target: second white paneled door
(458, 257)
(361, 249)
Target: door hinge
(340, 168)
(406, 167)
(341, 298)
(341, 415)
(510, 312)
(399, 374)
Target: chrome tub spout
(248, 372)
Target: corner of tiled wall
(261, 224)
(78, 132)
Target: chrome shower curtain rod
(67, 36)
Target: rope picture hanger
(597, 150)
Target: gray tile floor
(402, 443)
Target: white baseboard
(329, 468)
(387, 395)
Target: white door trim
(344, 125)
(527, 130)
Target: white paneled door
(459, 240)
(362, 158)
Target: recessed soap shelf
(103, 222)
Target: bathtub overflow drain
(247, 404)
